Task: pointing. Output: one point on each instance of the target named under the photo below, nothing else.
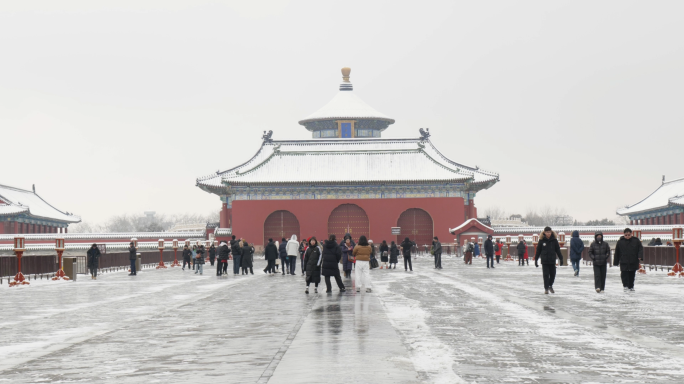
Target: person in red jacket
(497, 249)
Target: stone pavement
(460, 324)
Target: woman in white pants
(362, 253)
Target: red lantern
(161, 254)
(19, 248)
(59, 247)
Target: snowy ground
(460, 324)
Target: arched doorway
(348, 218)
(417, 225)
(280, 224)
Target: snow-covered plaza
(459, 324)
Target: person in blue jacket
(476, 252)
(576, 248)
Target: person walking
(547, 250)
(292, 254)
(522, 248)
(312, 263)
(406, 246)
(384, 255)
(222, 264)
(282, 253)
(93, 260)
(576, 249)
(199, 262)
(212, 254)
(236, 250)
(489, 251)
(302, 249)
(247, 259)
(362, 255)
(187, 256)
(332, 254)
(194, 256)
(599, 253)
(132, 256)
(393, 255)
(437, 252)
(476, 251)
(468, 254)
(498, 248)
(628, 253)
(271, 254)
(527, 256)
(347, 260)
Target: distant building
(347, 179)
(665, 206)
(23, 211)
(516, 222)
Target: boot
(307, 290)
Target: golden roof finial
(345, 74)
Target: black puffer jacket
(311, 266)
(187, 254)
(599, 252)
(212, 252)
(224, 252)
(235, 248)
(132, 253)
(628, 253)
(332, 254)
(406, 247)
(521, 247)
(271, 251)
(548, 250)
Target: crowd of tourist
(325, 259)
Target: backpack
(470, 248)
(496, 247)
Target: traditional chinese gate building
(347, 179)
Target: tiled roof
(671, 192)
(346, 105)
(364, 160)
(107, 236)
(16, 201)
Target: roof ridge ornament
(424, 133)
(346, 85)
(266, 137)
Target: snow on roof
(466, 223)
(346, 105)
(16, 201)
(583, 229)
(668, 192)
(223, 232)
(103, 236)
(380, 160)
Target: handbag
(278, 261)
(373, 263)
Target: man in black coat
(547, 250)
(628, 253)
(212, 254)
(187, 255)
(406, 247)
(282, 253)
(599, 252)
(489, 251)
(437, 252)
(521, 247)
(271, 254)
(132, 255)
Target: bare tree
(135, 223)
(495, 212)
(548, 215)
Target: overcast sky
(116, 107)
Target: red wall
(249, 215)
